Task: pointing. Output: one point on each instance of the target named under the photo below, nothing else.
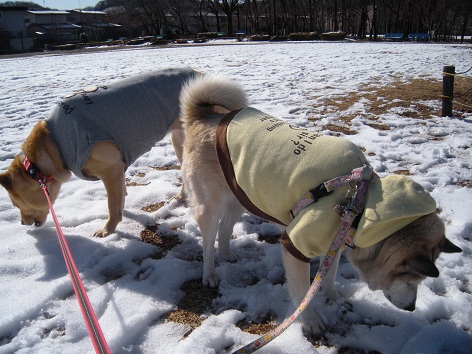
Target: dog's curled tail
(206, 94)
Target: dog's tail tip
(205, 91)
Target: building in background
(22, 29)
(48, 27)
(13, 36)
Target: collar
(33, 171)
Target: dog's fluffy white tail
(205, 92)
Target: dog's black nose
(410, 307)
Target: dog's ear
(423, 266)
(5, 181)
(448, 247)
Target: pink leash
(91, 321)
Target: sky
(67, 4)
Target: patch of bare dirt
(131, 181)
(153, 207)
(462, 94)
(265, 325)
(166, 168)
(335, 128)
(271, 239)
(349, 350)
(403, 172)
(418, 99)
(466, 183)
(164, 242)
(196, 302)
(378, 126)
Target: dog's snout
(410, 307)
(403, 298)
(31, 221)
(26, 222)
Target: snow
(132, 292)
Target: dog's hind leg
(207, 219)
(233, 211)
(177, 136)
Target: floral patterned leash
(358, 182)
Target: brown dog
(238, 158)
(97, 133)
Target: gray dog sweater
(133, 113)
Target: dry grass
(271, 239)
(166, 168)
(164, 242)
(197, 299)
(403, 172)
(196, 302)
(265, 325)
(349, 350)
(153, 207)
(462, 94)
(130, 183)
(418, 99)
(340, 129)
(466, 183)
(196, 305)
(130, 180)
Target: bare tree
(447, 18)
(148, 13)
(229, 7)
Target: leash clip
(351, 196)
(349, 203)
(355, 183)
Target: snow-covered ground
(132, 292)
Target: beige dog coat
(270, 165)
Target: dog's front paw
(313, 323)
(101, 233)
(330, 292)
(230, 257)
(108, 228)
(313, 329)
(211, 280)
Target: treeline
(28, 4)
(442, 19)
(360, 18)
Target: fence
(449, 73)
